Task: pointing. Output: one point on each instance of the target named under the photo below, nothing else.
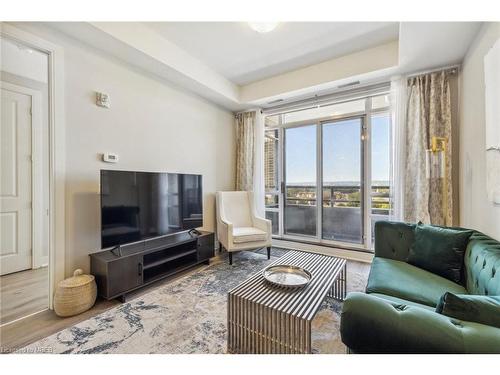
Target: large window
(300, 181)
(327, 171)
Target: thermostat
(110, 158)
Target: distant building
(270, 170)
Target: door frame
(38, 200)
(57, 146)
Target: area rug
(189, 315)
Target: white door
(15, 182)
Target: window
(271, 177)
(342, 180)
(381, 162)
(300, 181)
(327, 171)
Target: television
(136, 206)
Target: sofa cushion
(439, 250)
(248, 234)
(472, 308)
(402, 280)
(395, 301)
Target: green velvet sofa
(397, 314)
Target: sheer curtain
(245, 123)
(258, 167)
(398, 98)
(250, 156)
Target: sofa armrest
(372, 325)
(393, 240)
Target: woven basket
(75, 294)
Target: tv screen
(139, 205)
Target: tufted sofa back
(482, 265)
(393, 240)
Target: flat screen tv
(136, 206)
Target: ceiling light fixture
(263, 27)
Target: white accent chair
(238, 226)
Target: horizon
(341, 150)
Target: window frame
(366, 183)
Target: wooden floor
(23, 293)
(33, 328)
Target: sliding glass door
(342, 159)
(300, 181)
(327, 172)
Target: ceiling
(243, 55)
(237, 68)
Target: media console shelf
(144, 262)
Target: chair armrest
(262, 224)
(224, 226)
(372, 325)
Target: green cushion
(402, 280)
(472, 308)
(395, 301)
(370, 325)
(439, 250)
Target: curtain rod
(453, 69)
(248, 110)
(329, 99)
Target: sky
(341, 151)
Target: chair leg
(220, 247)
(230, 258)
(269, 252)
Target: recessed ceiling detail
(244, 56)
(236, 67)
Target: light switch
(102, 99)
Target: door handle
(139, 269)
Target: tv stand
(121, 270)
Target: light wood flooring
(33, 328)
(23, 293)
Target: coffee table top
(302, 303)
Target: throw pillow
(439, 250)
(471, 308)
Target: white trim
(56, 150)
(366, 145)
(37, 180)
(359, 256)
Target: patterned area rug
(189, 314)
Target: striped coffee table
(266, 319)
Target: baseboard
(359, 256)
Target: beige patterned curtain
(245, 123)
(428, 115)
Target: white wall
(475, 209)
(23, 61)
(151, 125)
